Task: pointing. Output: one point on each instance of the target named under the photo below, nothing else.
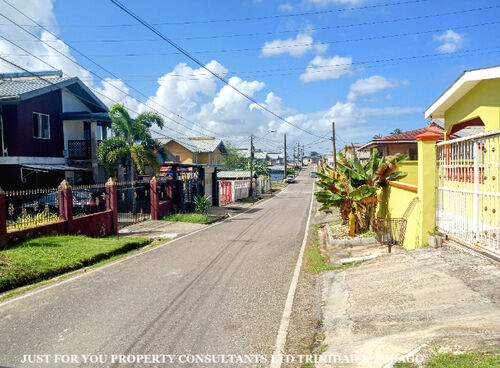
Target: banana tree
(354, 185)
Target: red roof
(411, 136)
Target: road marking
(121, 260)
(285, 318)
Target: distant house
(276, 172)
(235, 175)
(275, 159)
(328, 158)
(404, 143)
(50, 128)
(207, 151)
(306, 160)
(363, 155)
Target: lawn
(197, 218)
(468, 360)
(47, 256)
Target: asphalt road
(219, 291)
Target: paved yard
(444, 298)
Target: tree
(377, 136)
(396, 131)
(314, 154)
(353, 186)
(233, 160)
(132, 144)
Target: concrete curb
(346, 242)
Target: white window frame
(39, 114)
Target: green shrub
(201, 203)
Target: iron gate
(134, 203)
(468, 194)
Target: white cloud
(296, 47)
(372, 85)
(335, 2)
(451, 42)
(287, 7)
(321, 68)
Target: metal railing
(468, 190)
(32, 207)
(79, 149)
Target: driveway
(220, 290)
(425, 299)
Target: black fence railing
(33, 207)
(134, 202)
(88, 199)
(79, 149)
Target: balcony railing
(79, 149)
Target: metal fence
(468, 195)
(88, 199)
(134, 202)
(28, 208)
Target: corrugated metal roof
(200, 145)
(12, 88)
(234, 174)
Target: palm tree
(132, 144)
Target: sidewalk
(160, 229)
(445, 298)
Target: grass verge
(48, 256)
(197, 218)
(316, 262)
(467, 360)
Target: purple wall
(18, 126)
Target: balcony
(79, 149)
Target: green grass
(467, 360)
(316, 262)
(197, 218)
(47, 256)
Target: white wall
(71, 103)
(72, 129)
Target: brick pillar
(3, 220)
(427, 181)
(155, 201)
(112, 202)
(66, 205)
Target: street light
(251, 158)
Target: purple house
(50, 127)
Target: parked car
(290, 179)
(84, 202)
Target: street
(221, 290)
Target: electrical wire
(246, 19)
(187, 54)
(98, 76)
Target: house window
(41, 126)
(177, 158)
(195, 158)
(413, 153)
(211, 159)
(218, 160)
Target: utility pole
(299, 159)
(334, 150)
(251, 166)
(284, 142)
(294, 164)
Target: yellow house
(473, 99)
(207, 150)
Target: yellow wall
(482, 101)
(393, 204)
(176, 149)
(410, 167)
(204, 158)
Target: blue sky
(369, 65)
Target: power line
(246, 19)
(309, 44)
(310, 29)
(187, 54)
(95, 63)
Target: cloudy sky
(369, 65)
